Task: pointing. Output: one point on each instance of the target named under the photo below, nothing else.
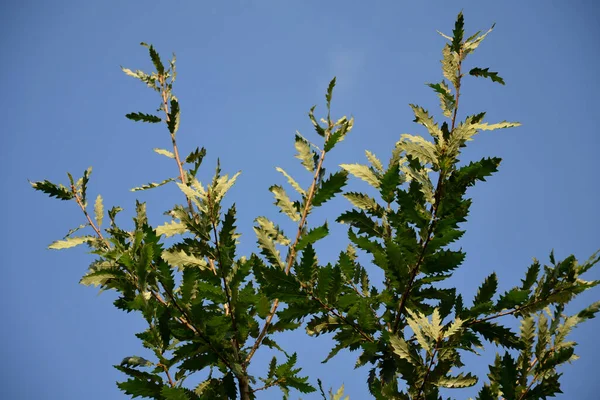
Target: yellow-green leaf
(171, 228)
(374, 161)
(305, 154)
(292, 182)
(99, 210)
(164, 152)
(70, 242)
(181, 259)
(363, 172)
(284, 203)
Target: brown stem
(429, 369)
(164, 367)
(434, 209)
(292, 253)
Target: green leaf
(181, 259)
(389, 183)
(486, 73)
(329, 93)
(155, 58)
(273, 231)
(164, 152)
(292, 181)
(312, 236)
(497, 334)
(153, 119)
(512, 298)
(99, 211)
(58, 191)
(174, 115)
(284, 203)
(330, 187)
(486, 290)
(100, 277)
(589, 312)
(174, 393)
(141, 388)
(70, 242)
(458, 33)
(305, 154)
(508, 377)
(363, 172)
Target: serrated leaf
(164, 152)
(500, 125)
(140, 116)
(454, 328)
(444, 93)
(268, 249)
(273, 231)
(375, 163)
(512, 298)
(486, 73)
(99, 277)
(171, 228)
(152, 185)
(305, 154)
(58, 191)
(460, 381)
(174, 393)
(292, 181)
(312, 236)
(363, 172)
(140, 388)
(181, 259)
(401, 349)
(486, 290)
(284, 203)
(418, 148)
(99, 210)
(135, 361)
(458, 33)
(422, 117)
(223, 186)
(364, 202)
(174, 116)
(330, 187)
(70, 242)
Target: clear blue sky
(248, 72)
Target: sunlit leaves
(284, 203)
(447, 101)
(181, 259)
(70, 242)
(363, 172)
(171, 228)
(98, 211)
(305, 154)
(292, 181)
(164, 152)
(152, 185)
(422, 117)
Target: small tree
(208, 308)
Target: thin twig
(292, 253)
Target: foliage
(210, 309)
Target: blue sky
(248, 73)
